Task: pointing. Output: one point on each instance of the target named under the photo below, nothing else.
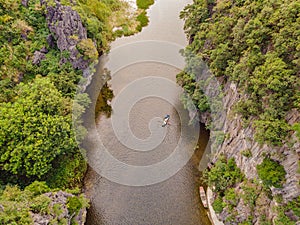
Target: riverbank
(212, 213)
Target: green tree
(35, 129)
(223, 174)
(271, 173)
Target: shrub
(271, 173)
(143, 19)
(231, 197)
(74, 204)
(144, 4)
(223, 174)
(247, 153)
(250, 195)
(40, 204)
(218, 205)
(88, 49)
(37, 188)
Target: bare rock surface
(25, 2)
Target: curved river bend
(174, 201)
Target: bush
(143, 19)
(250, 195)
(231, 197)
(144, 4)
(271, 173)
(37, 188)
(88, 49)
(239, 42)
(40, 204)
(218, 205)
(247, 153)
(223, 175)
(74, 204)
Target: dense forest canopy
(256, 45)
(38, 87)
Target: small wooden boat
(166, 121)
(203, 196)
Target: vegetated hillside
(252, 48)
(47, 48)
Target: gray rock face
(25, 2)
(38, 56)
(239, 138)
(67, 30)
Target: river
(174, 200)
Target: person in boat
(166, 120)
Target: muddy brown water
(174, 201)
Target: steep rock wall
(239, 137)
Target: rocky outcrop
(25, 2)
(59, 200)
(38, 56)
(67, 29)
(239, 138)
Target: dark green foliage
(143, 19)
(271, 173)
(295, 206)
(223, 175)
(40, 204)
(95, 16)
(36, 129)
(68, 171)
(247, 153)
(75, 203)
(218, 205)
(263, 220)
(254, 44)
(193, 89)
(283, 219)
(36, 135)
(144, 4)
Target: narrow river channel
(174, 201)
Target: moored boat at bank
(203, 196)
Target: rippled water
(176, 200)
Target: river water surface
(174, 201)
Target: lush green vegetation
(223, 175)
(17, 205)
(255, 45)
(37, 102)
(144, 4)
(292, 206)
(36, 138)
(230, 187)
(271, 173)
(143, 19)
